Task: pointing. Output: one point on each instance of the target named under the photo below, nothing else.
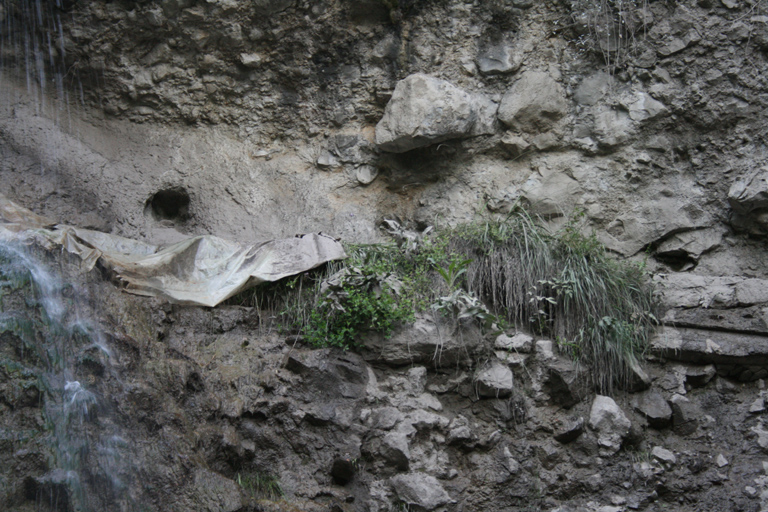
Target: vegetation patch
(496, 272)
(260, 485)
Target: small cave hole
(679, 261)
(169, 204)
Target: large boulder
(425, 110)
(534, 103)
(610, 423)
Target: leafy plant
(460, 303)
(497, 271)
(363, 297)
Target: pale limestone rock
(425, 110)
(610, 422)
(421, 490)
(520, 342)
(495, 380)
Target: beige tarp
(204, 270)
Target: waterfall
(89, 457)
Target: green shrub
(359, 298)
(494, 272)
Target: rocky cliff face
(161, 119)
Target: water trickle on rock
(33, 51)
(89, 457)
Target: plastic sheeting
(204, 270)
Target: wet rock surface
(231, 400)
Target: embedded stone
(663, 455)
(757, 406)
(514, 144)
(498, 59)
(570, 431)
(420, 490)
(685, 415)
(394, 450)
(567, 383)
(534, 103)
(520, 342)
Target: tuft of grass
(564, 285)
(260, 485)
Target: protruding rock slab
(425, 342)
(495, 380)
(421, 490)
(655, 409)
(425, 110)
(736, 355)
(534, 103)
(690, 291)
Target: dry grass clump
(564, 285)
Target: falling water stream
(89, 456)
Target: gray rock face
(421, 490)
(425, 110)
(214, 492)
(593, 89)
(534, 103)
(610, 422)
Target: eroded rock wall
(268, 118)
